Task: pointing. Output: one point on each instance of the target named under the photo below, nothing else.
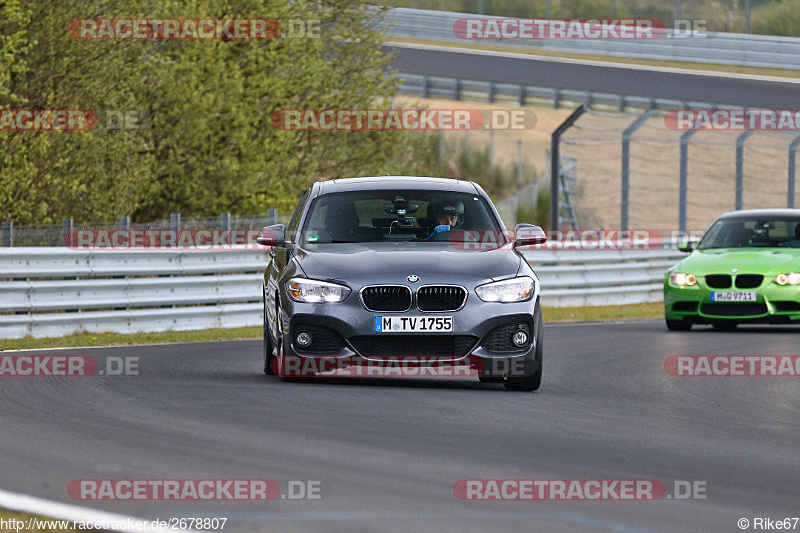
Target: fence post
(684, 180)
(522, 95)
(272, 217)
(740, 140)
(66, 231)
(519, 162)
(491, 92)
(457, 90)
(792, 169)
(624, 204)
(440, 147)
(555, 162)
(125, 223)
(7, 233)
(425, 86)
(225, 221)
(175, 221)
(557, 98)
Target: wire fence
(716, 177)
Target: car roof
(750, 213)
(396, 182)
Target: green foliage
(209, 144)
(778, 18)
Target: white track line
(13, 501)
(595, 63)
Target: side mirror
(685, 245)
(272, 235)
(529, 235)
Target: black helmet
(446, 206)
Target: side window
(301, 204)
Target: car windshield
(756, 232)
(398, 215)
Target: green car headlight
(683, 280)
(793, 278)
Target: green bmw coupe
(746, 268)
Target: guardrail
(462, 89)
(722, 48)
(50, 292)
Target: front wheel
(534, 381)
(678, 325)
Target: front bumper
(474, 326)
(774, 304)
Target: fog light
(304, 339)
(520, 338)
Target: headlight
(509, 290)
(680, 279)
(792, 278)
(313, 291)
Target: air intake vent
(734, 309)
(441, 298)
(386, 298)
(417, 345)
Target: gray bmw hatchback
(414, 269)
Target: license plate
(413, 324)
(733, 296)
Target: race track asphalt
(388, 451)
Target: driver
(448, 215)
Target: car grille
(734, 309)
(324, 340)
(499, 339)
(441, 298)
(386, 298)
(719, 281)
(749, 281)
(420, 345)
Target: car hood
(747, 261)
(393, 262)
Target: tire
(678, 325)
(725, 326)
(268, 346)
(534, 381)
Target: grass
(713, 67)
(550, 314)
(603, 313)
(121, 339)
(24, 517)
